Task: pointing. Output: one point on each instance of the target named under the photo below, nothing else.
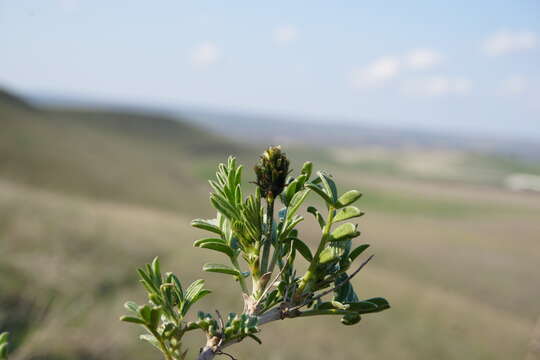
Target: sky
(456, 66)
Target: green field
(87, 196)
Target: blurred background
(114, 113)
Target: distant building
(522, 182)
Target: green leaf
(208, 225)
(348, 198)
(156, 271)
(303, 249)
(351, 319)
(193, 289)
(223, 207)
(296, 201)
(194, 292)
(329, 186)
(256, 338)
(330, 254)
(347, 212)
(290, 191)
(4, 337)
(320, 192)
(134, 320)
(147, 281)
(177, 287)
(151, 339)
(382, 303)
(362, 307)
(344, 232)
(292, 223)
(307, 168)
(318, 216)
(219, 268)
(219, 246)
(199, 242)
(129, 305)
(200, 295)
(345, 292)
(338, 305)
(3, 351)
(155, 314)
(145, 312)
(356, 252)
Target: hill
(108, 154)
(88, 194)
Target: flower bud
(272, 170)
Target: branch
(344, 281)
(214, 345)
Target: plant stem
(268, 237)
(241, 279)
(309, 276)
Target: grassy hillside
(115, 155)
(87, 196)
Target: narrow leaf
(134, 320)
(303, 249)
(219, 268)
(151, 339)
(320, 192)
(202, 241)
(318, 216)
(356, 252)
(218, 246)
(329, 186)
(296, 201)
(193, 289)
(129, 305)
(256, 338)
(209, 225)
(307, 168)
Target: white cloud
(377, 73)
(437, 86)
(505, 42)
(285, 34)
(514, 85)
(205, 54)
(420, 59)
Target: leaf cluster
(258, 236)
(163, 316)
(4, 337)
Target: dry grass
(458, 285)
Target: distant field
(457, 284)
(83, 203)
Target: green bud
(271, 171)
(307, 168)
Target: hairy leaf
(219, 268)
(329, 186)
(209, 225)
(344, 232)
(348, 198)
(347, 212)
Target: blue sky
(451, 66)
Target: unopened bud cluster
(237, 326)
(272, 170)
